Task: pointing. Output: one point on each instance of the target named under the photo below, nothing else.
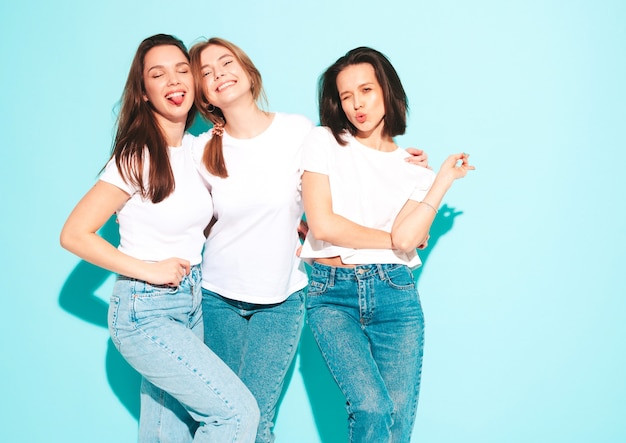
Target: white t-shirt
(250, 254)
(368, 187)
(174, 227)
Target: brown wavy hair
(213, 157)
(395, 99)
(138, 132)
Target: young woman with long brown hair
(163, 207)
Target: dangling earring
(210, 107)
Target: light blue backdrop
(523, 289)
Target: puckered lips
(360, 117)
(176, 97)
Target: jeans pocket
(316, 288)
(399, 277)
(152, 301)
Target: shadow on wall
(78, 297)
(442, 224)
(326, 400)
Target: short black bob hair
(396, 102)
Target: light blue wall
(524, 293)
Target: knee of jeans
(374, 407)
(242, 411)
(372, 423)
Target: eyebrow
(220, 58)
(163, 67)
(358, 86)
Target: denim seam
(114, 306)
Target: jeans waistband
(356, 272)
(194, 275)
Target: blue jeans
(158, 330)
(258, 342)
(369, 326)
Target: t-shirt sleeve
(112, 175)
(425, 180)
(316, 151)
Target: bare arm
(79, 236)
(330, 227)
(411, 226)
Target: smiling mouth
(223, 86)
(176, 97)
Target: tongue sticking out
(177, 99)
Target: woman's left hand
(452, 166)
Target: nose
(173, 79)
(357, 103)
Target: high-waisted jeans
(369, 326)
(158, 330)
(258, 342)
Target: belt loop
(381, 271)
(194, 273)
(331, 276)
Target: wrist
(431, 206)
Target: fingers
(424, 244)
(169, 272)
(414, 151)
(418, 157)
(178, 268)
(186, 267)
(465, 162)
(463, 157)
